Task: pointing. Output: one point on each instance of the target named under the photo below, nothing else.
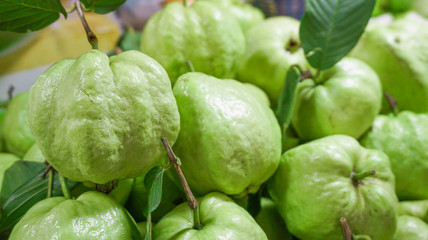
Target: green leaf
(287, 98)
(153, 182)
(331, 28)
(18, 174)
(26, 194)
(24, 15)
(135, 232)
(102, 6)
(130, 40)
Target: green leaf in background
(24, 15)
(287, 98)
(27, 190)
(331, 28)
(102, 6)
(130, 40)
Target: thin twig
(346, 230)
(47, 169)
(92, 39)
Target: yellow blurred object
(65, 38)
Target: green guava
(410, 228)
(344, 99)
(320, 182)
(93, 215)
(15, 127)
(6, 161)
(417, 209)
(398, 53)
(229, 141)
(220, 217)
(34, 154)
(98, 119)
(202, 34)
(404, 138)
(244, 13)
(271, 222)
(272, 47)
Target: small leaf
(102, 6)
(153, 182)
(24, 15)
(287, 98)
(331, 28)
(135, 232)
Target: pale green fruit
(2, 113)
(271, 222)
(34, 154)
(344, 99)
(417, 209)
(93, 215)
(272, 46)
(314, 187)
(229, 141)
(258, 93)
(392, 6)
(411, 228)
(398, 53)
(404, 138)
(220, 217)
(171, 197)
(6, 161)
(202, 34)
(99, 119)
(15, 127)
(244, 13)
(421, 7)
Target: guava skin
(411, 228)
(345, 99)
(230, 140)
(404, 138)
(398, 53)
(244, 13)
(92, 216)
(313, 190)
(272, 47)
(34, 154)
(99, 119)
(202, 34)
(15, 127)
(417, 209)
(221, 219)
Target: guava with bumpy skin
(93, 215)
(398, 53)
(220, 218)
(138, 200)
(417, 209)
(6, 161)
(272, 47)
(404, 138)
(229, 141)
(271, 222)
(244, 13)
(344, 99)
(320, 182)
(410, 228)
(202, 34)
(15, 127)
(99, 119)
(2, 113)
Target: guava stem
(10, 92)
(392, 102)
(191, 200)
(50, 183)
(359, 176)
(92, 39)
(190, 65)
(346, 230)
(46, 171)
(64, 186)
(71, 8)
